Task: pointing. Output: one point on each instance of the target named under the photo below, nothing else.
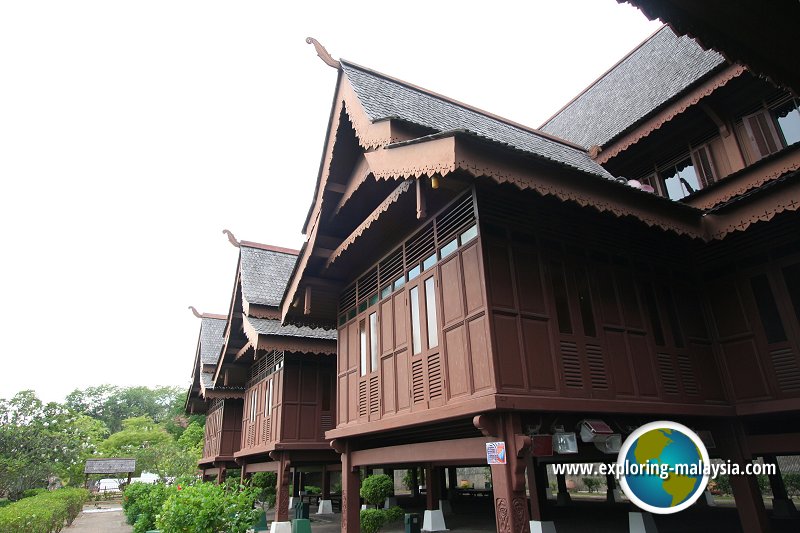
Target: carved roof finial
(231, 237)
(195, 312)
(322, 53)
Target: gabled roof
(264, 326)
(386, 98)
(265, 272)
(651, 75)
(212, 336)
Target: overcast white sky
(132, 133)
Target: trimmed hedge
(44, 513)
(142, 502)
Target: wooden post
(282, 488)
(221, 475)
(433, 483)
(733, 445)
(452, 482)
(782, 505)
(414, 483)
(296, 482)
(508, 480)
(421, 211)
(326, 483)
(537, 486)
(351, 487)
(307, 303)
(563, 497)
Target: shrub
(372, 520)
(312, 489)
(592, 483)
(208, 508)
(265, 483)
(792, 482)
(32, 492)
(43, 513)
(142, 502)
(375, 489)
(394, 514)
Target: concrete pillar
(782, 505)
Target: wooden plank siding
(302, 406)
(222, 430)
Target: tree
(142, 439)
(375, 489)
(113, 404)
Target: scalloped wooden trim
(616, 147)
(760, 210)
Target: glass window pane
(386, 291)
(351, 313)
(399, 282)
(469, 234)
(416, 340)
(430, 310)
(342, 319)
(362, 307)
(414, 272)
(681, 180)
(362, 336)
(449, 248)
(268, 410)
(373, 299)
(429, 262)
(373, 341)
(789, 122)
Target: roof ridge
(215, 316)
(269, 247)
(469, 107)
(604, 74)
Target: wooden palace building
(636, 258)
(268, 389)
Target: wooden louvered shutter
(704, 165)
(761, 132)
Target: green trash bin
(412, 522)
(301, 510)
(301, 525)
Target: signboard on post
(496, 453)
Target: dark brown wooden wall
(757, 326)
(454, 370)
(223, 430)
(569, 321)
(303, 405)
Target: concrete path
(102, 517)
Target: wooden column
(452, 482)
(611, 485)
(433, 484)
(351, 486)
(326, 483)
(296, 481)
(733, 445)
(508, 480)
(282, 488)
(221, 475)
(414, 482)
(782, 505)
(563, 497)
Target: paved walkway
(101, 517)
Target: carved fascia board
(747, 179)
(668, 113)
(760, 208)
(297, 344)
(372, 217)
(444, 155)
(225, 394)
(294, 282)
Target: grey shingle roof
(265, 274)
(212, 332)
(384, 98)
(207, 380)
(265, 326)
(651, 75)
(109, 466)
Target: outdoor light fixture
(564, 442)
(434, 182)
(609, 444)
(594, 430)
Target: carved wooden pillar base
(508, 480)
(282, 489)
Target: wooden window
(787, 116)
(253, 404)
(791, 276)
(704, 165)
(680, 179)
(416, 327)
(268, 409)
(362, 337)
(373, 341)
(767, 309)
(430, 312)
(761, 133)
